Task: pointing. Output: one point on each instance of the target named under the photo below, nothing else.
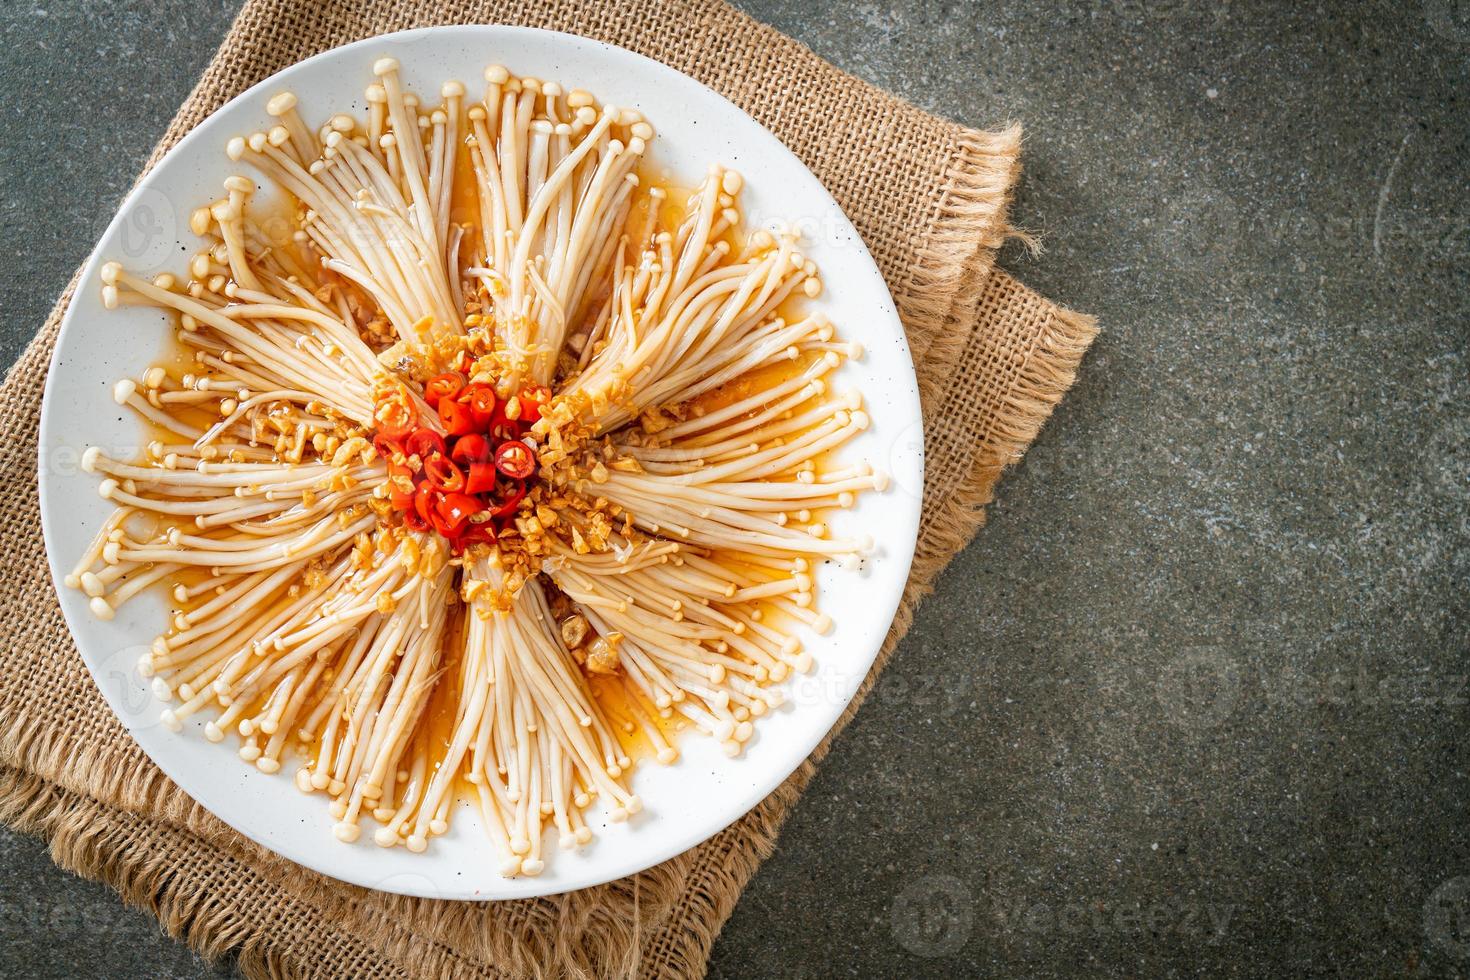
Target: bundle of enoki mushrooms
(495, 469)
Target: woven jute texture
(929, 198)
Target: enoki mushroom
(492, 431)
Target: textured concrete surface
(1195, 702)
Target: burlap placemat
(929, 198)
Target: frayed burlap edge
(970, 224)
(98, 842)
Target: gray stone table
(1195, 701)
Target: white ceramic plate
(685, 803)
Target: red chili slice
(472, 448)
(442, 386)
(454, 510)
(482, 401)
(480, 468)
(441, 474)
(402, 499)
(478, 533)
(423, 443)
(515, 460)
(498, 421)
(481, 476)
(423, 502)
(457, 417)
(385, 445)
(396, 418)
(532, 398)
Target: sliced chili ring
(533, 397)
(441, 474)
(423, 443)
(498, 421)
(471, 448)
(481, 476)
(478, 533)
(515, 460)
(413, 521)
(503, 429)
(453, 511)
(397, 496)
(396, 418)
(386, 446)
(482, 402)
(442, 526)
(423, 502)
(402, 499)
(443, 386)
(457, 418)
